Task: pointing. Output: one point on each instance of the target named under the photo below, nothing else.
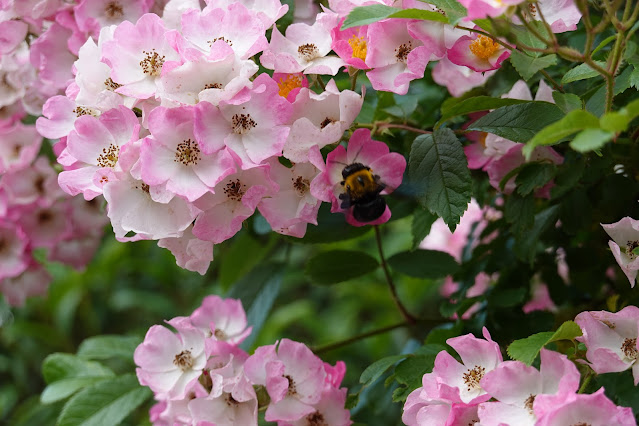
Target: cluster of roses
(34, 212)
(201, 376)
(486, 390)
(167, 119)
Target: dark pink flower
(389, 167)
(478, 52)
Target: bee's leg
(346, 201)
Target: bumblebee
(362, 192)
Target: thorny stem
(590, 35)
(391, 285)
(633, 17)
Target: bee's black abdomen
(368, 212)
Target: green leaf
(103, 347)
(477, 103)
(520, 211)
(533, 176)
(441, 333)
(591, 140)
(619, 387)
(420, 227)
(33, 412)
(428, 264)
(569, 330)
(506, 298)
(568, 174)
(630, 53)
(430, 349)
(581, 72)
(528, 38)
(526, 246)
(573, 122)
(105, 403)
(526, 350)
(241, 256)
(364, 15)
(634, 78)
(379, 367)
(330, 227)
(618, 121)
(60, 366)
(567, 101)
(8, 399)
(351, 400)
(258, 290)
(64, 388)
(454, 11)
(335, 266)
(439, 169)
(410, 371)
(401, 394)
(404, 108)
(614, 121)
(421, 14)
(528, 66)
(518, 123)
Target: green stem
(384, 125)
(586, 382)
(630, 21)
(362, 336)
(590, 36)
(614, 60)
(320, 82)
(547, 25)
(391, 285)
(533, 30)
(552, 81)
(354, 80)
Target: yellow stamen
(293, 81)
(484, 47)
(358, 44)
(482, 139)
